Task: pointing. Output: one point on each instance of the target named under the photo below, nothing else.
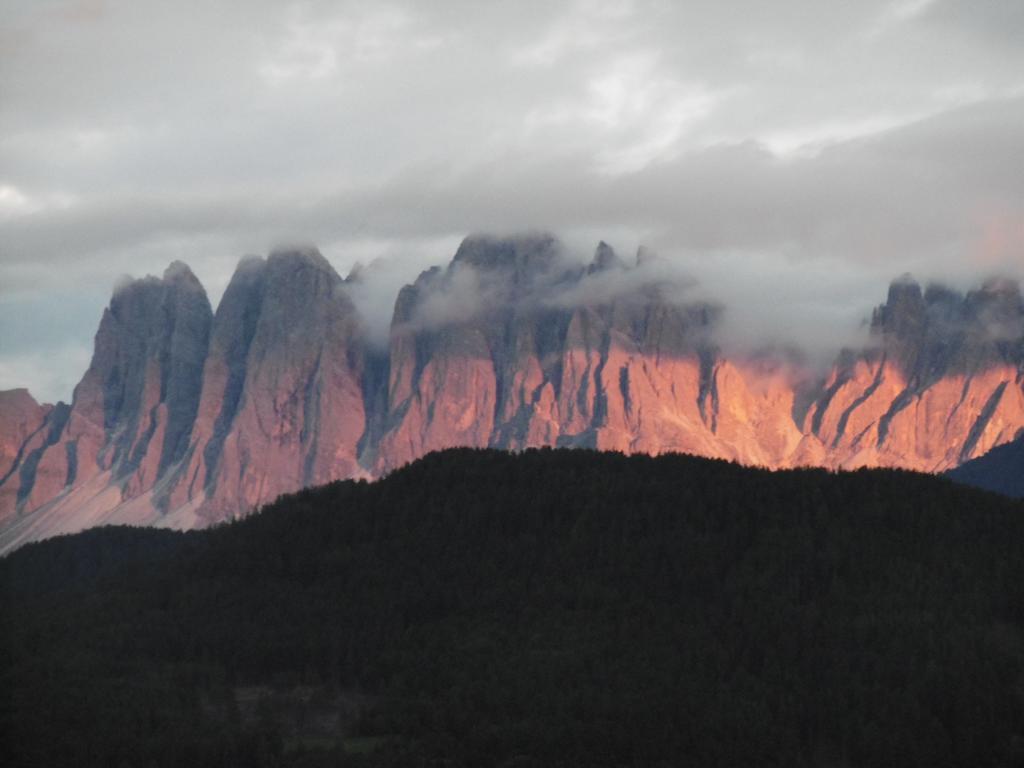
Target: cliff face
(544, 353)
(21, 417)
(131, 414)
(185, 418)
(24, 430)
(282, 402)
(576, 362)
(941, 385)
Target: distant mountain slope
(1000, 470)
(479, 608)
(187, 417)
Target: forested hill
(478, 608)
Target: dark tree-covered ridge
(548, 608)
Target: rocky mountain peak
(297, 288)
(149, 349)
(997, 306)
(358, 272)
(902, 317)
(299, 257)
(645, 255)
(942, 331)
(521, 257)
(17, 398)
(605, 259)
(178, 272)
(281, 387)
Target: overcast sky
(795, 155)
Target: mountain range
(187, 417)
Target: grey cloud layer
(814, 149)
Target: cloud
(49, 381)
(780, 144)
(373, 286)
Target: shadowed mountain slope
(1000, 470)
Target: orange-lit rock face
(23, 430)
(877, 419)
(942, 386)
(281, 404)
(21, 418)
(184, 419)
(637, 373)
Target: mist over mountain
(186, 417)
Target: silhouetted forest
(549, 608)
